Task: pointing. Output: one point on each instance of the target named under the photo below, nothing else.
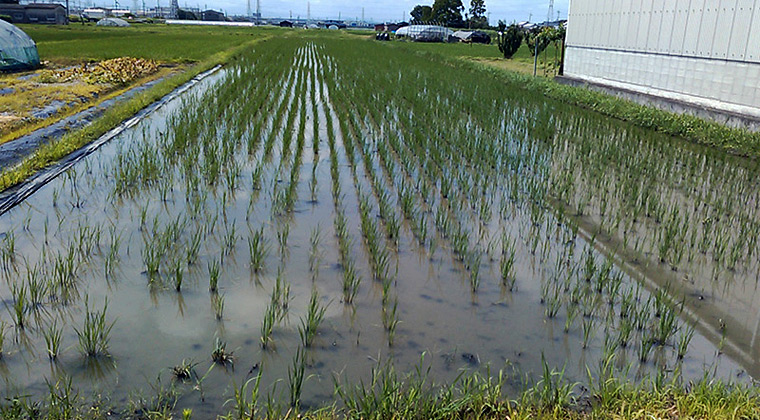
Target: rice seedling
(313, 183)
(53, 338)
(572, 313)
(193, 247)
(473, 265)
(214, 268)
(267, 325)
(217, 305)
(683, 341)
(19, 306)
(282, 238)
(588, 330)
(315, 313)
(645, 347)
(152, 258)
(112, 255)
(37, 289)
(351, 282)
(258, 249)
(296, 377)
(314, 252)
(553, 305)
(281, 295)
(666, 326)
(230, 239)
(94, 335)
(178, 275)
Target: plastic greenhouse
(112, 22)
(425, 33)
(17, 50)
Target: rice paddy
(325, 206)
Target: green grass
(390, 395)
(76, 43)
(490, 52)
(454, 49)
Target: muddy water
(442, 322)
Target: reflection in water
(101, 369)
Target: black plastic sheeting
(14, 196)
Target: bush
(6, 18)
(510, 40)
(537, 36)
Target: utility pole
(308, 12)
(174, 9)
(248, 9)
(535, 56)
(362, 14)
(550, 15)
(258, 12)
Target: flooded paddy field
(324, 206)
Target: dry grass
(515, 65)
(17, 108)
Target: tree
(540, 36)
(448, 12)
(478, 14)
(422, 14)
(510, 39)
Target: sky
(379, 10)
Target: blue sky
(377, 10)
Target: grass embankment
(206, 47)
(731, 140)
(517, 72)
(474, 397)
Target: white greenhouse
(425, 33)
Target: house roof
(44, 6)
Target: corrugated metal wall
(704, 48)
